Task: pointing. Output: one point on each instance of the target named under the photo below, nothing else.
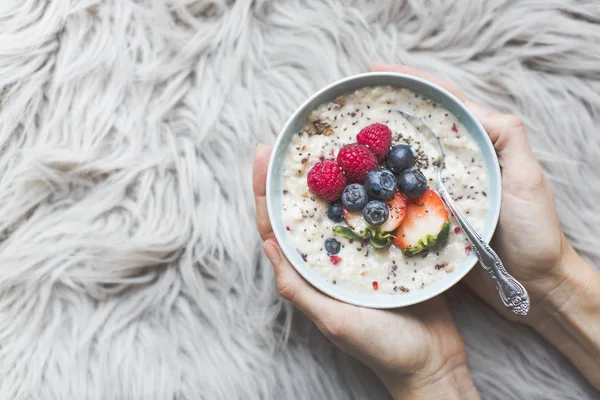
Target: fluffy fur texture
(130, 267)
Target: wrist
(568, 316)
(442, 384)
(570, 282)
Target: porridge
(358, 196)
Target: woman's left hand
(416, 351)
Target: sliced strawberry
(355, 220)
(397, 208)
(425, 225)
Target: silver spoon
(512, 293)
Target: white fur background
(130, 267)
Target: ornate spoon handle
(512, 293)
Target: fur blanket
(130, 266)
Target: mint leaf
(345, 232)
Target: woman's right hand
(564, 290)
(528, 239)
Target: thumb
(508, 136)
(293, 287)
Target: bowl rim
(320, 282)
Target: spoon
(512, 293)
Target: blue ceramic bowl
(296, 123)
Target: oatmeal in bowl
(351, 190)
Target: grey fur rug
(130, 267)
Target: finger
(259, 172)
(508, 136)
(481, 284)
(383, 67)
(293, 287)
(259, 181)
(506, 131)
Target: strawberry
(396, 206)
(378, 138)
(335, 259)
(355, 220)
(425, 225)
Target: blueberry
(400, 157)
(334, 211)
(332, 246)
(376, 212)
(412, 183)
(354, 197)
(380, 184)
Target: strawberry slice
(355, 220)
(396, 206)
(425, 226)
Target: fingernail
(261, 150)
(380, 66)
(387, 67)
(271, 251)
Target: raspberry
(378, 138)
(326, 180)
(356, 161)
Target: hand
(416, 351)
(527, 209)
(563, 288)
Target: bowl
(275, 184)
